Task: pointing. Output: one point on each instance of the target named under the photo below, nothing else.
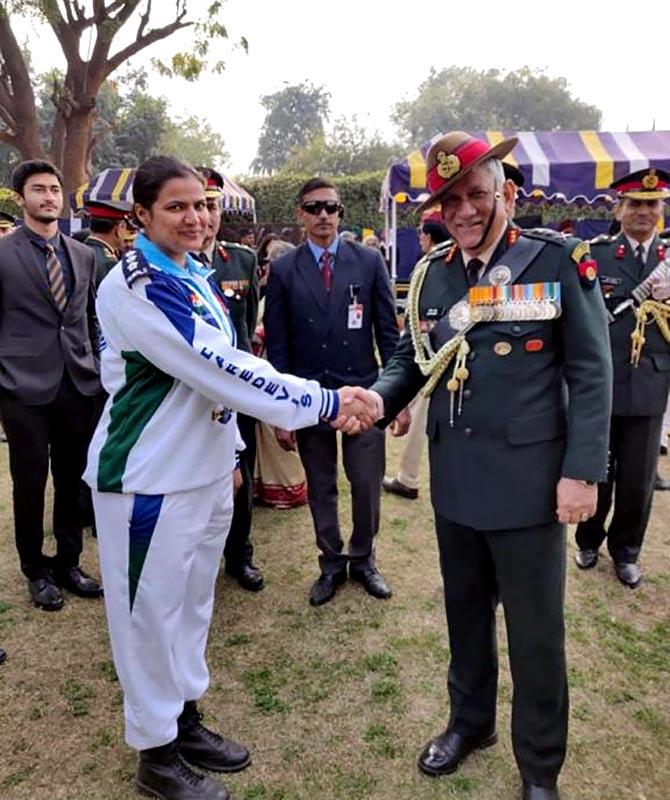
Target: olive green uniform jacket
(235, 273)
(530, 416)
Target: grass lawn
(337, 702)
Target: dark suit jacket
(37, 342)
(530, 413)
(306, 327)
(640, 391)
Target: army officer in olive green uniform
(518, 429)
(236, 275)
(641, 388)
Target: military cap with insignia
(111, 210)
(454, 155)
(213, 181)
(7, 220)
(645, 184)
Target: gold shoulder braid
(646, 312)
(430, 363)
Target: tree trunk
(78, 129)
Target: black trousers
(58, 433)
(238, 549)
(364, 460)
(634, 443)
(525, 569)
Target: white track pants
(159, 556)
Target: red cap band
(105, 212)
(467, 153)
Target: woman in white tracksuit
(161, 466)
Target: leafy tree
(347, 149)
(194, 141)
(294, 116)
(75, 95)
(462, 98)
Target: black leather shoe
(3, 656)
(164, 774)
(373, 582)
(533, 792)
(586, 559)
(247, 575)
(443, 755)
(204, 748)
(661, 485)
(75, 580)
(325, 586)
(629, 574)
(45, 595)
(393, 486)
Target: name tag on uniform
(355, 318)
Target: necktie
(472, 270)
(639, 256)
(56, 278)
(327, 269)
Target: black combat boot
(164, 774)
(206, 749)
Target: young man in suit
(508, 333)
(641, 389)
(328, 303)
(49, 377)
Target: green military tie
(56, 278)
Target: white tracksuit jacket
(175, 381)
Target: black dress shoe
(164, 774)
(629, 574)
(661, 485)
(393, 486)
(3, 656)
(76, 581)
(443, 755)
(204, 748)
(247, 575)
(372, 580)
(586, 559)
(325, 586)
(533, 792)
(45, 595)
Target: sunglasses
(315, 207)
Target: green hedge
(276, 198)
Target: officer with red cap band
(508, 337)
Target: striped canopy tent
(558, 167)
(117, 184)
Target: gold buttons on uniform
(502, 348)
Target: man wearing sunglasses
(328, 303)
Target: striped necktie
(327, 269)
(56, 278)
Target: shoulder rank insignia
(439, 250)
(135, 266)
(603, 238)
(546, 234)
(581, 250)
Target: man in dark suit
(48, 379)
(236, 274)
(328, 303)
(640, 389)
(508, 334)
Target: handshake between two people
(359, 410)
